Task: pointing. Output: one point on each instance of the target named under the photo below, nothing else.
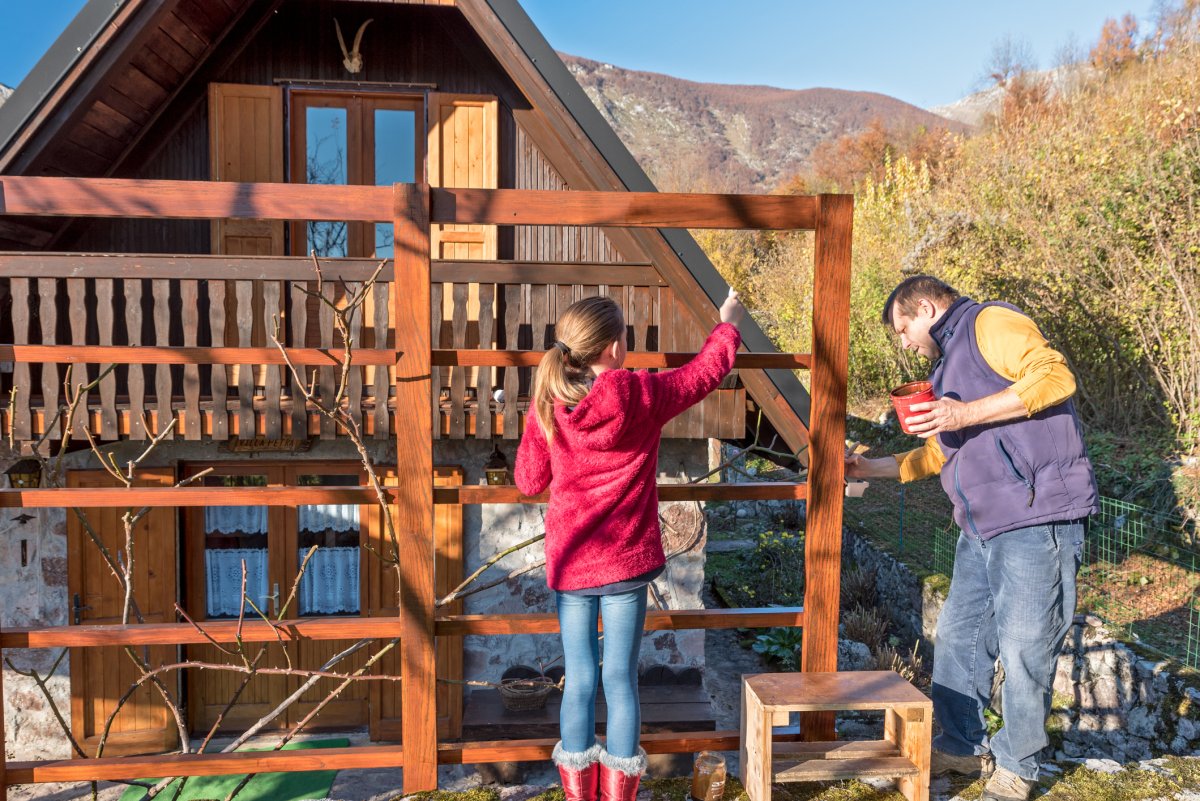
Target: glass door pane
(326, 162)
(330, 585)
(233, 536)
(395, 161)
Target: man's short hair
(909, 292)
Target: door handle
(77, 608)
(274, 598)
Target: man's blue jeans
(624, 617)
(1012, 596)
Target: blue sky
(927, 53)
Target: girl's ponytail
(582, 333)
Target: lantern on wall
(25, 474)
(496, 468)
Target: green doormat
(314, 784)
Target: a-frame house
(449, 95)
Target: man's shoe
(940, 762)
(1006, 786)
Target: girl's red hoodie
(602, 520)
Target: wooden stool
(767, 698)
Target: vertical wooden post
(827, 433)
(414, 492)
(3, 744)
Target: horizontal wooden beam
(356, 628)
(471, 494)
(164, 354)
(656, 620)
(157, 199)
(623, 209)
(539, 272)
(639, 361)
(354, 757)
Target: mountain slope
(723, 137)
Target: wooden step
(799, 752)
(820, 770)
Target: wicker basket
(524, 694)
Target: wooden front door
(101, 676)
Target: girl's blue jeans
(624, 616)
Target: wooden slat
(328, 375)
(385, 627)
(162, 376)
(440, 378)
(532, 272)
(760, 491)
(512, 380)
(535, 750)
(354, 381)
(298, 320)
(189, 296)
(273, 387)
(414, 490)
(136, 382)
(22, 421)
(483, 382)
(850, 749)
(623, 209)
(220, 373)
(382, 380)
(76, 291)
(244, 294)
(824, 770)
(108, 384)
(48, 314)
(823, 546)
(531, 358)
(154, 354)
(458, 375)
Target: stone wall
(34, 593)
(1109, 699)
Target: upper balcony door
(364, 139)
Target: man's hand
(938, 416)
(858, 466)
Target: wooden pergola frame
(413, 208)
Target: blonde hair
(581, 334)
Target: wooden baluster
(383, 381)
(163, 389)
(539, 326)
(219, 379)
(76, 297)
(668, 342)
(189, 296)
(273, 387)
(640, 316)
(47, 292)
(458, 375)
(244, 295)
(299, 326)
(22, 416)
(436, 293)
(137, 372)
(512, 378)
(109, 428)
(329, 375)
(483, 383)
(354, 383)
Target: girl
(594, 443)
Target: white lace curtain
(330, 583)
(329, 587)
(223, 568)
(253, 519)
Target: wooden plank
(656, 620)
(382, 309)
(202, 267)
(189, 295)
(328, 376)
(824, 770)
(458, 375)
(512, 378)
(531, 358)
(108, 384)
(623, 209)
(298, 320)
(48, 314)
(162, 377)
(851, 749)
(243, 294)
(533, 272)
(439, 379)
(483, 384)
(22, 421)
(535, 750)
(220, 373)
(136, 381)
(748, 491)
(155, 354)
(76, 297)
(414, 437)
(830, 691)
(755, 746)
(823, 544)
(354, 381)
(273, 387)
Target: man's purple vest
(1004, 476)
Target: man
(1005, 438)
